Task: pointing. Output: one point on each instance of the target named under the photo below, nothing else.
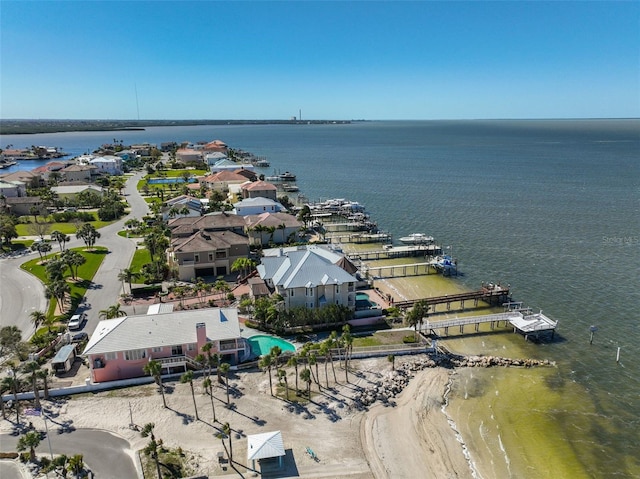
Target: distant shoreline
(30, 127)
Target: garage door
(201, 272)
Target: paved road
(106, 455)
(22, 293)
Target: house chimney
(201, 335)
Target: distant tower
(300, 114)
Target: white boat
(417, 238)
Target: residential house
(13, 188)
(182, 206)
(79, 173)
(206, 253)
(111, 165)
(188, 155)
(223, 180)
(249, 174)
(29, 178)
(72, 191)
(217, 221)
(21, 205)
(256, 206)
(214, 157)
(278, 228)
(120, 348)
(51, 170)
(259, 189)
(308, 276)
(216, 146)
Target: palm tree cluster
(272, 316)
(309, 357)
(200, 289)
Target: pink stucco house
(119, 348)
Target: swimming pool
(168, 181)
(261, 344)
(363, 302)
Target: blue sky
(330, 59)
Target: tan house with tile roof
(79, 173)
(260, 189)
(206, 253)
(28, 177)
(221, 180)
(218, 221)
(277, 228)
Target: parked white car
(76, 322)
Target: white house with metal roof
(308, 276)
(120, 348)
(257, 206)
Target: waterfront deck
(397, 252)
(400, 270)
(491, 294)
(525, 324)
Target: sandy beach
(408, 437)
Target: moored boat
(417, 238)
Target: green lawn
(86, 272)
(140, 258)
(66, 228)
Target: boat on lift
(417, 238)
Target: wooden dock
(525, 324)
(359, 238)
(491, 294)
(400, 270)
(397, 252)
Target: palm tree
(111, 312)
(128, 275)
(206, 348)
(333, 342)
(207, 384)
(224, 368)
(29, 441)
(347, 339)
(58, 290)
(152, 448)
(32, 367)
(37, 318)
(324, 351)
(226, 429)
(71, 259)
(76, 464)
(282, 375)
(188, 378)
(88, 233)
(265, 364)
(392, 359)
(154, 368)
(293, 361)
(313, 361)
(12, 383)
(61, 238)
(305, 375)
(44, 375)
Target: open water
(551, 207)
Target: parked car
(79, 337)
(76, 322)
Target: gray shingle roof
(164, 329)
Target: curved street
(22, 293)
(106, 454)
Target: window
(176, 350)
(191, 347)
(221, 254)
(291, 293)
(337, 289)
(196, 258)
(210, 257)
(110, 356)
(156, 350)
(310, 292)
(135, 354)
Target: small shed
(265, 446)
(64, 359)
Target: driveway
(105, 454)
(22, 293)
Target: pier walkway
(400, 270)
(397, 252)
(525, 324)
(491, 293)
